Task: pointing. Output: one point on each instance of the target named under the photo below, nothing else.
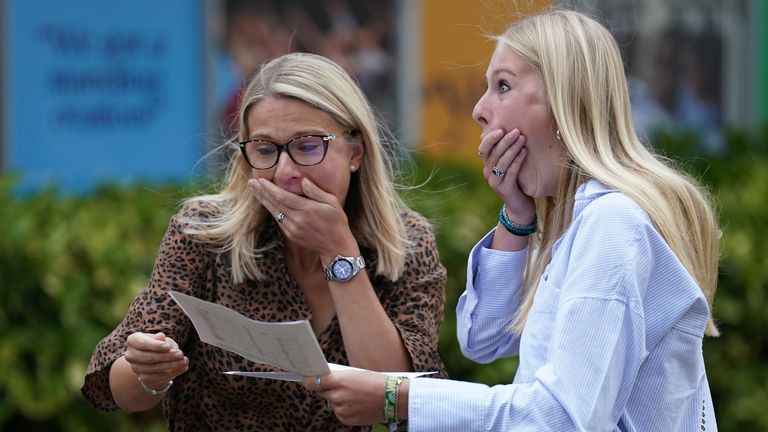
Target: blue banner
(102, 91)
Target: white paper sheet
(287, 376)
(291, 346)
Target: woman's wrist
(346, 248)
(127, 390)
(503, 240)
(518, 215)
(522, 230)
(156, 390)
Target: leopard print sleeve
(180, 265)
(417, 299)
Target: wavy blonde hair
(588, 95)
(372, 204)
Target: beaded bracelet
(152, 391)
(516, 229)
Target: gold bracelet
(398, 425)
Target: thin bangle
(152, 391)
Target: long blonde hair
(372, 204)
(588, 95)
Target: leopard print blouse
(204, 398)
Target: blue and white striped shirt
(613, 341)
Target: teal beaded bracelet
(516, 229)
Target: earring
(352, 168)
(558, 136)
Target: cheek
(528, 169)
(327, 180)
(265, 174)
(531, 157)
(341, 182)
(556, 158)
(508, 117)
(341, 186)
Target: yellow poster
(455, 53)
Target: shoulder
(613, 208)
(422, 245)
(610, 231)
(416, 225)
(191, 221)
(612, 235)
(196, 210)
(608, 217)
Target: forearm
(487, 339)
(506, 241)
(371, 340)
(491, 298)
(126, 390)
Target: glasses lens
(261, 154)
(307, 150)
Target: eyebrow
(501, 70)
(268, 137)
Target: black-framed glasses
(306, 150)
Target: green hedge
(70, 266)
(737, 362)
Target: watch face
(342, 269)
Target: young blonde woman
(605, 296)
(307, 226)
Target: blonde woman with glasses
(308, 225)
(599, 274)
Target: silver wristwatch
(343, 268)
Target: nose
(286, 169)
(479, 113)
